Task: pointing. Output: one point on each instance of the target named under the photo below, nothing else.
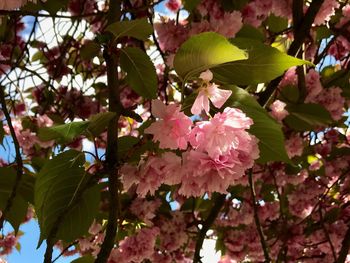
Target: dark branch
(112, 140)
(218, 204)
(344, 247)
(301, 33)
(19, 161)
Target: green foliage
(63, 133)
(66, 133)
(99, 122)
(264, 64)
(248, 31)
(19, 207)
(89, 50)
(138, 28)
(84, 259)
(125, 144)
(204, 51)
(266, 129)
(63, 202)
(277, 24)
(306, 117)
(289, 94)
(51, 6)
(141, 73)
(230, 5)
(189, 5)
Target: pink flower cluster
(255, 12)
(13, 4)
(172, 128)
(278, 110)
(171, 34)
(145, 210)
(135, 248)
(27, 138)
(8, 243)
(152, 173)
(221, 147)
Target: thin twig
(257, 220)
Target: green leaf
(266, 129)
(84, 259)
(19, 207)
(323, 32)
(204, 51)
(264, 64)
(230, 5)
(125, 144)
(39, 55)
(63, 133)
(276, 23)
(138, 28)
(289, 94)
(141, 73)
(305, 117)
(189, 5)
(89, 50)
(248, 31)
(57, 198)
(99, 122)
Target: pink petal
(158, 108)
(218, 96)
(206, 75)
(200, 103)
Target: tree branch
(301, 32)
(326, 233)
(256, 218)
(218, 204)
(345, 247)
(19, 161)
(112, 139)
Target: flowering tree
(224, 120)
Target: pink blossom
(152, 173)
(12, 4)
(172, 231)
(216, 175)
(8, 243)
(170, 35)
(289, 78)
(294, 146)
(227, 259)
(278, 110)
(172, 128)
(332, 100)
(313, 85)
(95, 228)
(326, 11)
(145, 210)
(209, 91)
(225, 131)
(228, 24)
(135, 248)
(282, 8)
(173, 5)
